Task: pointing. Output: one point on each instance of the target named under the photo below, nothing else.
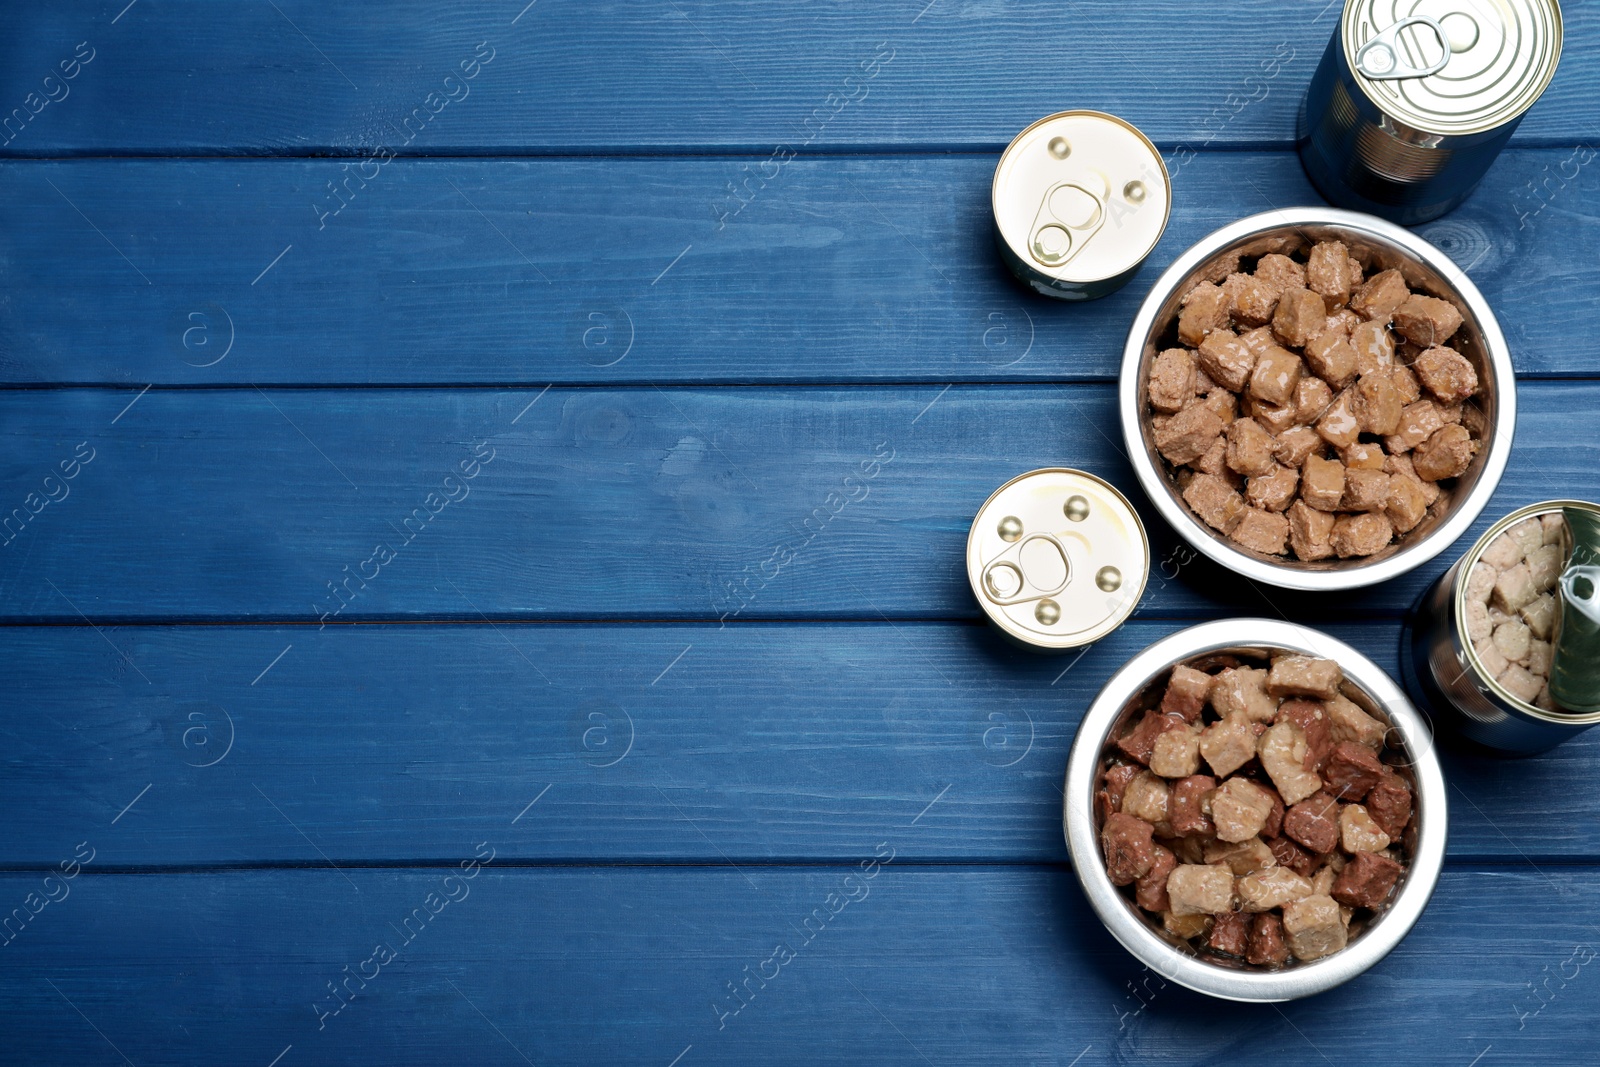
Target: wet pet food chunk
(1187, 692)
(1283, 753)
(1228, 745)
(1240, 808)
(1217, 504)
(1426, 320)
(1366, 880)
(1200, 890)
(1446, 374)
(1172, 380)
(1305, 676)
(1129, 848)
(1314, 927)
(1205, 309)
(1379, 297)
(1272, 888)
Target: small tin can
(1414, 99)
(1080, 199)
(1057, 559)
(1446, 674)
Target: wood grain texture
(605, 744)
(878, 269)
(936, 965)
(193, 77)
(598, 503)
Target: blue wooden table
(437, 626)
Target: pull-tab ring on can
(1380, 58)
(1006, 580)
(1069, 215)
(1573, 585)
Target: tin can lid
(1057, 558)
(1081, 196)
(1452, 67)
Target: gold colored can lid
(1057, 558)
(1452, 67)
(1081, 196)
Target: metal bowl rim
(1302, 980)
(1284, 575)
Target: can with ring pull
(1414, 99)
(1080, 198)
(1057, 559)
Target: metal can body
(1080, 198)
(1411, 143)
(1057, 559)
(1445, 675)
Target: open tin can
(1447, 674)
(1080, 198)
(1057, 559)
(1414, 99)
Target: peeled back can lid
(1057, 558)
(1081, 197)
(1452, 67)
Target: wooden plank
(614, 744)
(939, 965)
(192, 77)
(596, 503)
(623, 270)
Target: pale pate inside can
(1057, 558)
(1080, 199)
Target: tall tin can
(1080, 198)
(1414, 99)
(1447, 675)
(1057, 559)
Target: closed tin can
(1414, 99)
(1447, 675)
(1057, 559)
(1080, 198)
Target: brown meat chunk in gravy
(1239, 808)
(1205, 309)
(1447, 454)
(1186, 693)
(1427, 320)
(1262, 531)
(1177, 753)
(1332, 358)
(1228, 744)
(1366, 880)
(1418, 422)
(1314, 927)
(1172, 380)
(1329, 273)
(1275, 376)
(1338, 425)
(1200, 889)
(1312, 718)
(1267, 946)
(1310, 531)
(1230, 934)
(1139, 742)
(1252, 300)
(1280, 272)
(1362, 456)
(1284, 755)
(1400, 464)
(1289, 853)
(1275, 417)
(1406, 503)
(1150, 889)
(1242, 691)
(1300, 316)
(1380, 295)
(1373, 346)
(1314, 822)
(1322, 483)
(1389, 804)
(1250, 448)
(1217, 505)
(1129, 846)
(1187, 809)
(1274, 490)
(1226, 360)
(1312, 397)
(1186, 436)
(1294, 445)
(1304, 676)
(1446, 374)
(1351, 771)
(1376, 404)
(1365, 490)
(1361, 535)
